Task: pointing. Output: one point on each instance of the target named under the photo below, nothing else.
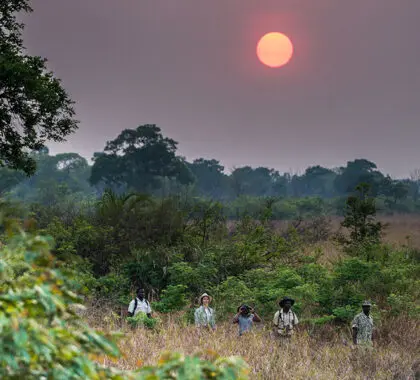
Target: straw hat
(205, 295)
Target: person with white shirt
(139, 304)
(285, 320)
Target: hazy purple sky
(351, 90)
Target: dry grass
(324, 355)
(401, 230)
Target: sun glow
(274, 49)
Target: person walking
(204, 315)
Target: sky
(351, 89)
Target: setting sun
(274, 49)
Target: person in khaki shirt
(285, 319)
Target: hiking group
(284, 321)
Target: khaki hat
(205, 295)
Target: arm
(354, 329)
(295, 321)
(149, 311)
(256, 318)
(131, 309)
(236, 318)
(197, 318)
(354, 334)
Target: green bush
(142, 320)
(41, 334)
(178, 366)
(173, 298)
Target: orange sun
(274, 49)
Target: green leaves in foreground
(177, 366)
(40, 331)
(43, 337)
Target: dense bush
(43, 337)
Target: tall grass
(323, 353)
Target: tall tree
(318, 180)
(34, 107)
(210, 179)
(139, 159)
(257, 182)
(358, 171)
(360, 220)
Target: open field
(401, 229)
(324, 354)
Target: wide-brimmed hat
(205, 295)
(367, 303)
(281, 303)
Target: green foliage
(139, 159)
(142, 320)
(34, 107)
(173, 298)
(41, 333)
(177, 366)
(360, 221)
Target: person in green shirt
(204, 315)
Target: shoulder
(132, 302)
(356, 318)
(277, 313)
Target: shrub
(178, 366)
(41, 334)
(142, 320)
(173, 298)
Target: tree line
(143, 160)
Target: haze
(351, 89)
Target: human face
(140, 294)
(243, 310)
(366, 309)
(287, 305)
(205, 301)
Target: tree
(395, 191)
(360, 219)
(55, 177)
(257, 182)
(34, 107)
(415, 179)
(318, 180)
(139, 159)
(9, 179)
(210, 179)
(358, 171)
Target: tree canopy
(34, 107)
(139, 159)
